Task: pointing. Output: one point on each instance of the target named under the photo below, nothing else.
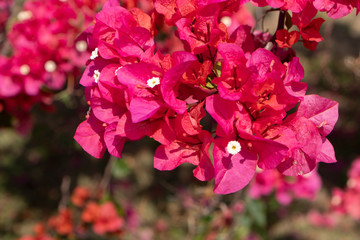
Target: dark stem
(262, 18)
(281, 23)
(281, 20)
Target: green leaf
(218, 69)
(257, 212)
(209, 85)
(120, 169)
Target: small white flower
(233, 147)
(226, 20)
(24, 69)
(152, 82)
(96, 76)
(50, 66)
(118, 70)
(81, 46)
(24, 15)
(94, 54)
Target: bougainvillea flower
(119, 34)
(292, 5)
(307, 186)
(107, 219)
(63, 222)
(9, 86)
(80, 196)
(286, 39)
(90, 212)
(192, 145)
(318, 219)
(351, 199)
(143, 88)
(321, 111)
(309, 29)
(104, 217)
(253, 96)
(45, 51)
(233, 125)
(107, 102)
(354, 175)
(204, 32)
(303, 159)
(191, 150)
(170, 83)
(235, 79)
(157, 128)
(168, 9)
(90, 135)
(242, 17)
(345, 201)
(285, 188)
(336, 8)
(243, 37)
(294, 89)
(232, 171)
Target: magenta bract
(247, 87)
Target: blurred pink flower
(285, 188)
(318, 219)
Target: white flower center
(152, 82)
(94, 54)
(96, 76)
(81, 46)
(24, 15)
(226, 20)
(50, 66)
(116, 71)
(24, 69)
(233, 147)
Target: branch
(281, 23)
(65, 192)
(104, 183)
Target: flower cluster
(333, 8)
(84, 216)
(230, 102)
(45, 52)
(347, 201)
(286, 188)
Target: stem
(107, 174)
(262, 18)
(65, 192)
(281, 20)
(70, 83)
(281, 23)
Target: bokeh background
(39, 170)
